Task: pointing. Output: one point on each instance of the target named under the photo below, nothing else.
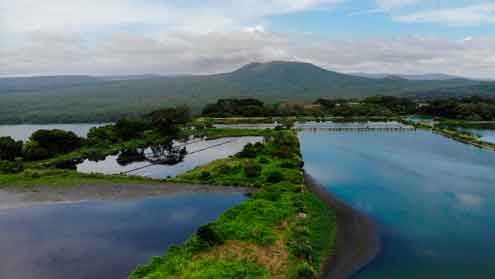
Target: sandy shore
(357, 238)
(15, 198)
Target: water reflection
(433, 198)
(149, 163)
(100, 239)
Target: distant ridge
(88, 99)
(45, 82)
(409, 77)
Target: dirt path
(357, 238)
(14, 198)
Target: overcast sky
(116, 37)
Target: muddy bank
(357, 237)
(14, 198)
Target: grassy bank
(448, 129)
(32, 178)
(282, 231)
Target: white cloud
(471, 15)
(183, 52)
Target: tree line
(162, 124)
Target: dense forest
(471, 108)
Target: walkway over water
(362, 129)
(355, 126)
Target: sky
(122, 37)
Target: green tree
(167, 121)
(10, 149)
(47, 143)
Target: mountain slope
(270, 82)
(44, 82)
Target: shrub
(205, 175)
(208, 234)
(10, 149)
(251, 150)
(252, 169)
(304, 270)
(263, 160)
(11, 167)
(224, 169)
(288, 164)
(274, 177)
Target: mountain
(409, 77)
(129, 77)
(270, 82)
(12, 84)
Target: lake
(101, 239)
(199, 153)
(433, 198)
(484, 134)
(23, 132)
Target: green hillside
(270, 82)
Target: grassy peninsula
(282, 231)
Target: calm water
(100, 239)
(484, 135)
(23, 132)
(203, 152)
(433, 198)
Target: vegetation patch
(282, 231)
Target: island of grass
(282, 231)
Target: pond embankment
(25, 197)
(357, 237)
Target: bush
(263, 160)
(208, 234)
(11, 167)
(251, 150)
(305, 271)
(10, 149)
(205, 175)
(274, 177)
(252, 169)
(44, 144)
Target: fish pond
(199, 152)
(433, 198)
(101, 239)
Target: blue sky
(170, 36)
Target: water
(350, 125)
(202, 154)
(23, 132)
(484, 134)
(433, 199)
(100, 239)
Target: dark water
(23, 132)
(433, 199)
(203, 152)
(100, 239)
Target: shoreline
(12, 198)
(357, 237)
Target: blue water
(433, 199)
(100, 239)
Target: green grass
(281, 215)
(64, 178)
(216, 133)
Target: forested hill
(14, 84)
(271, 82)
